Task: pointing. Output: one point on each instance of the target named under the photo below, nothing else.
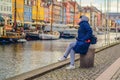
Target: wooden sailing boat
(11, 36)
(43, 35)
(34, 35)
(51, 35)
(70, 32)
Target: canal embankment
(104, 57)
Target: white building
(5, 10)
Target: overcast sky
(100, 4)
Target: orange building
(75, 12)
(56, 12)
(72, 13)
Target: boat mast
(36, 14)
(80, 8)
(15, 23)
(108, 26)
(74, 12)
(117, 20)
(101, 16)
(62, 12)
(51, 16)
(105, 21)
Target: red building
(72, 12)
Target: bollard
(87, 60)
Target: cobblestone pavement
(116, 76)
(102, 61)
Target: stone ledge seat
(87, 61)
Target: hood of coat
(84, 18)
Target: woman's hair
(80, 16)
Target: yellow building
(19, 10)
(37, 11)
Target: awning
(69, 24)
(42, 23)
(27, 22)
(39, 23)
(72, 25)
(60, 25)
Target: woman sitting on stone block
(82, 43)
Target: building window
(10, 1)
(33, 2)
(29, 3)
(4, 8)
(1, 8)
(25, 2)
(8, 8)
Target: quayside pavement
(103, 60)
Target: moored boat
(49, 35)
(32, 36)
(69, 33)
(21, 40)
(10, 37)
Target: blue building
(27, 14)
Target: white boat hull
(21, 40)
(49, 35)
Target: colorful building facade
(57, 8)
(94, 15)
(46, 15)
(5, 11)
(27, 12)
(23, 11)
(75, 12)
(72, 12)
(53, 11)
(37, 11)
(18, 10)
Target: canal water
(23, 57)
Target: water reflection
(19, 58)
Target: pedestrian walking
(82, 43)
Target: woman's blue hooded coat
(84, 34)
